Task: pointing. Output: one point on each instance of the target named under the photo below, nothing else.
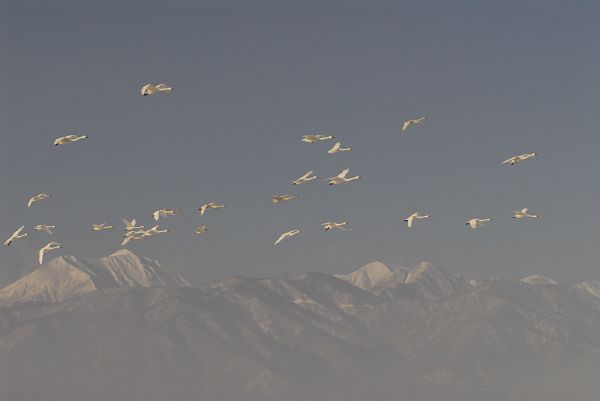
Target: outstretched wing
(281, 238)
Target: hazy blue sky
(251, 78)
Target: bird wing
(281, 238)
(147, 86)
(409, 220)
(406, 125)
(335, 148)
(343, 173)
(31, 200)
(9, 240)
(156, 215)
(163, 86)
(308, 174)
(473, 223)
(512, 159)
(524, 210)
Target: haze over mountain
(125, 327)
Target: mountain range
(124, 327)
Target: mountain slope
(419, 334)
(65, 277)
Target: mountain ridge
(68, 276)
(418, 334)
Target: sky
(251, 78)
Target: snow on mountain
(592, 287)
(424, 280)
(434, 282)
(536, 279)
(67, 276)
(309, 337)
(367, 276)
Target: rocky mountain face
(375, 334)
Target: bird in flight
(474, 223)
(286, 235)
(316, 138)
(341, 178)
(37, 198)
(154, 231)
(210, 205)
(44, 227)
(415, 121)
(308, 177)
(130, 225)
(63, 140)
(150, 89)
(518, 159)
(132, 235)
(16, 235)
(100, 227)
(409, 220)
(523, 213)
(164, 213)
(331, 225)
(202, 229)
(50, 246)
(337, 147)
(283, 198)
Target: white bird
(164, 213)
(308, 177)
(331, 225)
(523, 213)
(203, 229)
(16, 235)
(283, 198)
(44, 227)
(153, 231)
(132, 235)
(37, 198)
(338, 148)
(50, 246)
(518, 159)
(100, 227)
(341, 178)
(210, 205)
(474, 223)
(287, 235)
(417, 215)
(130, 225)
(316, 138)
(150, 89)
(63, 140)
(408, 123)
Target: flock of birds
(137, 232)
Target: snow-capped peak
(67, 276)
(536, 279)
(367, 276)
